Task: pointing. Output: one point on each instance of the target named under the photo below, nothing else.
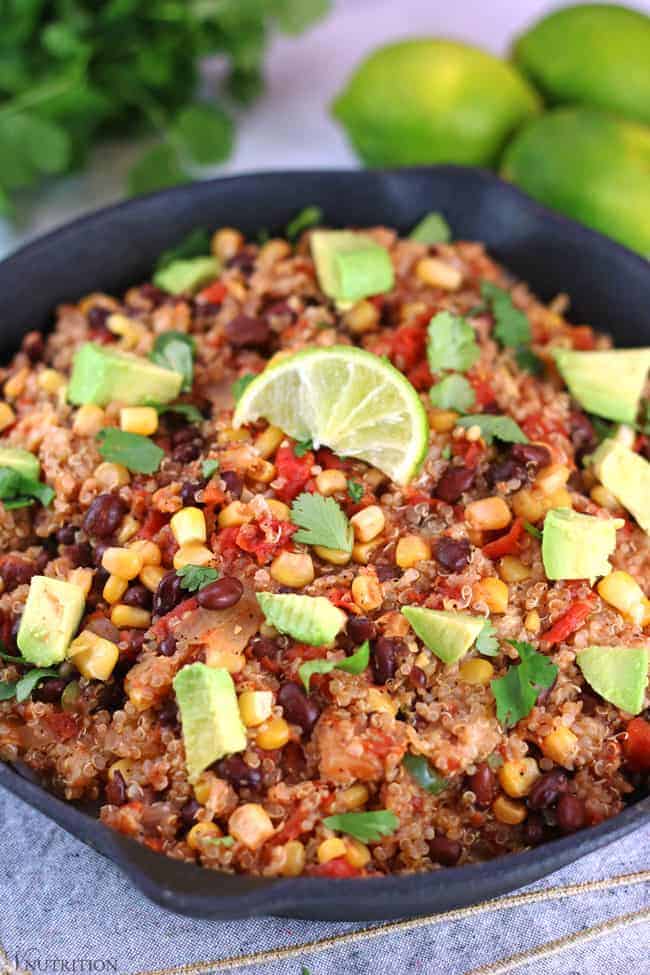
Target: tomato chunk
(569, 622)
(507, 544)
(636, 747)
(295, 471)
(338, 868)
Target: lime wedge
(346, 399)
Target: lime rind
(346, 399)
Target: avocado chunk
(350, 266)
(627, 476)
(576, 546)
(20, 461)
(608, 383)
(51, 616)
(432, 229)
(212, 726)
(309, 619)
(618, 674)
(449, 635)
(101, 375)
(189, 274)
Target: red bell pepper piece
(214, 293)
(506, 544)
(569, 622)
(636, 747)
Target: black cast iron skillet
(117, 247)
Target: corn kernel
(381, 702)
(114, 589)
(335, 556)
(623, 592)
(512, 569)
(260, 470)
(251, 825)
(551, 478)
(193, 553)
(362, 551)
(7, 416)
(151, 577)
(188, 525)
(130, 526)
(442, 421)
(89, 420)
(410, 550)
(367, 593)
(529, 505)
(15, 385)
(354, 797)
(127, 617)
(561, 746)
(203, 787)
(93, 656)
(110, 476)
(294, 859)
(476, 671)
(518, 778)
(268, 441)
(125, 563)
(273, 251)
(492, 592)
(330, 482)
(230, 435)
(123, 766)
(139, 419)
(508, 811)
(488, 514)
(130, 331)
(148, 551)
(331, 849)
(83, 578)
(255, 707)
(438, 274)
(362, 317)
(274, 734)
(560, 498)
(279, 510)
(604, 498)
(294, 569)
(220, 658)
(357, 854)
(368, 523)
(200, 832)
(51, 381)
(234, 514)
(532, 622)
(226, 242)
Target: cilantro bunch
(74, 71)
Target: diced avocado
(212, 726)
(618, 674)
(102, 375)
(20, 461)
(627, 476)
(576, 546)
(49, 621)
(607, 382)
(432, 229)
(350, 266)
(449, 635)
(187, 275)
(309, 619)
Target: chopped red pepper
(339, 868)
(160, 627)
(408, 346)
(569, 622)
(537, 426)
(583, 338)
(420, 376)
(295, 471)
(636, 747)
(265, 539)
(63, 725)
(482, 388)
(508, 543)
(152, 524)
(214, 293)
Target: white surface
(290, 126)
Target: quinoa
(118, 743)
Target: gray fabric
(62, 901)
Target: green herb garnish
(188, 410)
(355, 664)
(222, 840)
(18, 491)
(355, 491)
(502, 427)
(511, 327)
(209, 467)
(195, 577)
(424, 775)
(516, 693)
(322, 521)
(367, 827)
(135, 452)
(240, 385)
(526, 359)
(21, 689)
(487, 641)
(451, 343)
(432, 229)
(446, 452)
(308, 217)
(175, 351)
(454, 392)
(302, 447)
(196, 244)
(532, 530)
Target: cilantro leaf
(175, 350)
(158, 168)
(511, 327)
(516, 693)
(302, 447)
(293, 16)
(526, 359)
(209, 467)
(240, 385)
(355, 491)
(135, 452)
(367, 827)
(451, 343)
(446, 452)
(196, 244)
(354, 664)
(426, 777)
(222, 840)
(18, 491)
(532, 530)
(432, 229)
(205, 133)
(487, 641)
(454, 392)
(21, 689)
(188, 410)
(502, 427)
(195, 577)
(308, 217)
(322, 521)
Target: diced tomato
(341, 597)
(470, 451)
(327, 459)
(582, 338)
(537, 426)
(154, 843)
(61, 724)
(214, 293)
(160, 627)
(507, 544)
(420, 376)
(569, 622)
(226, 541)
(152, 523)
(636, 746)
(265, 539)
(482, 388)
(408, 346)
(304, 651)
(295, 471)
(292, 828)
(338, 869)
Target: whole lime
(590, 165)
(431, 101)
(592, 54)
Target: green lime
(432, 101)
(343, 398)
(593, 54)
(589, 165)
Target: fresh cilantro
(135, 452)
(487, 641)
(432, 229)
(479, 309)
(322, 521)
(205, 133)
(21, 689)
(367, 827)
(527, 360)
(196, 244)
(532, 530)
(451, 343)
(445, 453)
(195, 577)
(188, 410)
(454, 392)
(494, 760)
(354, 664)
(209, 467)
(502, 427)
(355, 491)
(424, 775)
(308, 217)
(517, 692)
(302, 447)
(175, 350)
(222, 840)
(240, 385)
(602, 428)
(12, 660)
(18, 491)
(511, 327)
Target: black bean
(116, 790)
(445, 852)
(104, 515)
(262, 646)
(483, 784)
(385, 571)
(534, 830)
(417, 678)
(104, 628)
(293, 762)
(50, 691)
(80, 554)
(534, 454)
(153, 294)
(506, 470)
(16, 571)
(453, 483)
(243, 261)
(244, 330)
(167, 595)
(97, 319)
(235, 771)
(298, 708)
(187, 452)
(222, 594)
(360, 628)
(188, 813)
(583, 434)
(590, 701)
(188, 492)
(384, 658)
(453, 554)
(547, 790)
(33, 346)
(570, 813)
(66, 535)
(137, 595)
(185, 433)
(168, 714)
(233, 482)
(167, 646)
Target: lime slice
(346, 399)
